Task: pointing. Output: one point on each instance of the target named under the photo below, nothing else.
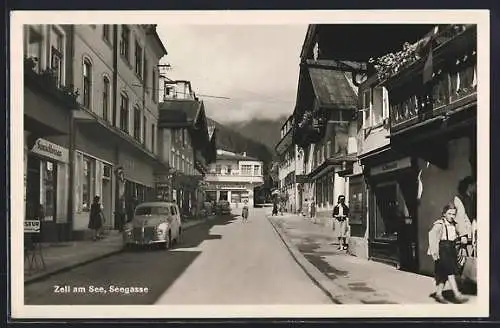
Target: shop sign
(391, 166)
(51, 150)
(31, 226)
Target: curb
(28, 281)
(336, 293)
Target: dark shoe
(440, 299)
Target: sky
(256, 66)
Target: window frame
(139, 59)
(366, 108)
(125, 43)
(124, 119)
(106, 92)
(137, 123)
(87, 86)
(106, 33)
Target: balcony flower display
(392, 63)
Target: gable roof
(332, 89)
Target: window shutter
(360, 113)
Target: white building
(233, 177)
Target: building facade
(233, 178)
(107, 143)
(287, 168)
(187, 144)
(48, 102)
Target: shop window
(387, 211)
(87, 181)
(137, 123)
(124, 112)
(87, 84)
(124, 43)
(235, 197)
(49, 189)
(105, 98)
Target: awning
(38, 130)
(339, 160)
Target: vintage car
(223, 207)
(154, 223)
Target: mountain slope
(264, 131)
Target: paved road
(221, 262)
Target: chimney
(245, 154)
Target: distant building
(186, 143)
(290, 166)
(233, 177)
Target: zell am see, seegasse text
(67, 289)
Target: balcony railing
(234, 173)
(453, 85)
(448, 91)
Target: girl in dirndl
(443, 249)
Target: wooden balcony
(452, 86)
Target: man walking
(341, 214)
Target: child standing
(442, 248)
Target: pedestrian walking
(312, 210)
(305, 208)
(275, 209)
(341, 216)
(443, 238)
(96, 217)
(244, 211)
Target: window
(105, 99)
(138, 59)
(124, 42)
(146, 66)
(87, 83)
(153, 132)
(48, 187)
(137, 123)
(153, 87)
(256, 170)
(144, 129)
(88, 169)
(106, 33)
(388, 211)
(229, 169)
(246, 170)
(378, 106)
(366, 108)
(218, 169)
(124, 113)
(35, 47)
(56, 54)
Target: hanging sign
(32, 226)
(51, 150)
(391, 166)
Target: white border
(480, 308)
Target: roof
(235, 157)
(332, 89)
(179, 111)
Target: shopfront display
(393, 213)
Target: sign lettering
(391, 166)
(32, 226)
(52, 150)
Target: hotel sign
(31, 226)
(51, 150)
(391, 166)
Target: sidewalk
(348, 279)
(63, 256)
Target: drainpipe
(114, 109)
(72, 136)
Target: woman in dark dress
(442, 247)
(95, 222)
